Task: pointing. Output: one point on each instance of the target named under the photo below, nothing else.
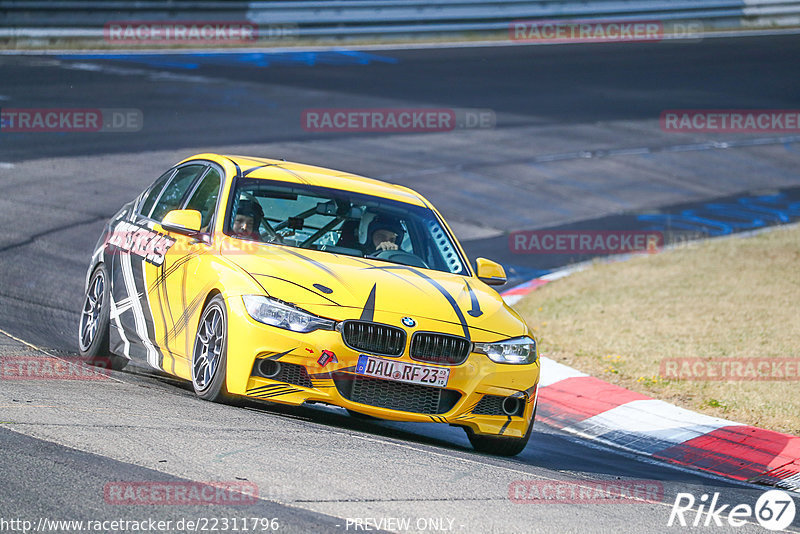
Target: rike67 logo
(774, 510)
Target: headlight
(275, 313)
(520, 350)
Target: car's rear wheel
(210, 354)
(93, 332)
(498, 445)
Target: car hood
(343, 287)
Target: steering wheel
(271, 235)
(400, 256)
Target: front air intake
(375, 338)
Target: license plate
(410, 373)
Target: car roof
(287, 171)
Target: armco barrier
(360, 18)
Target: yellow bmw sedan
(298, 284)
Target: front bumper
(302, 378)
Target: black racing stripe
(324, 289)
(277, 393)
(182, 321)
(438, 286)
(476, 307)
(368, 312)
(166, 272)
(298, 285)
(371, 266)
(266, 389)
(177, 264)
(503, 429)
(140, 286)
(252, 169)
(300, 177)
(162, 290)
(277, 355)
(238, 170)
(164, 321)
(315, 263)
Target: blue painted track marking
(721, 218)
(195, 60)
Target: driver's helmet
(384, 222)
(251, 208)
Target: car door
(183, 286)
(137, 263)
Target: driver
(384, 233)
(247, 220)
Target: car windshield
(341, 222)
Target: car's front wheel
(498, 445)
(95, 320)
(210, 354)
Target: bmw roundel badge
(409, 322)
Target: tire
(210, 353)
(497, 445)
(94, 323)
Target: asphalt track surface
(576, 139)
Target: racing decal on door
(134, 239)
(128, 249)
(128, 291)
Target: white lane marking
(6, 165)
(155, 75)
(43, 351)
(553, 372)
(654, 420)
(30, 345)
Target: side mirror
(186, 222)
(490, 272)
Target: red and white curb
(612, 415)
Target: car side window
(204, 198)
(173, 194)
(155, 191)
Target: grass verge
(711, 300)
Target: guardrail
(362, 18)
